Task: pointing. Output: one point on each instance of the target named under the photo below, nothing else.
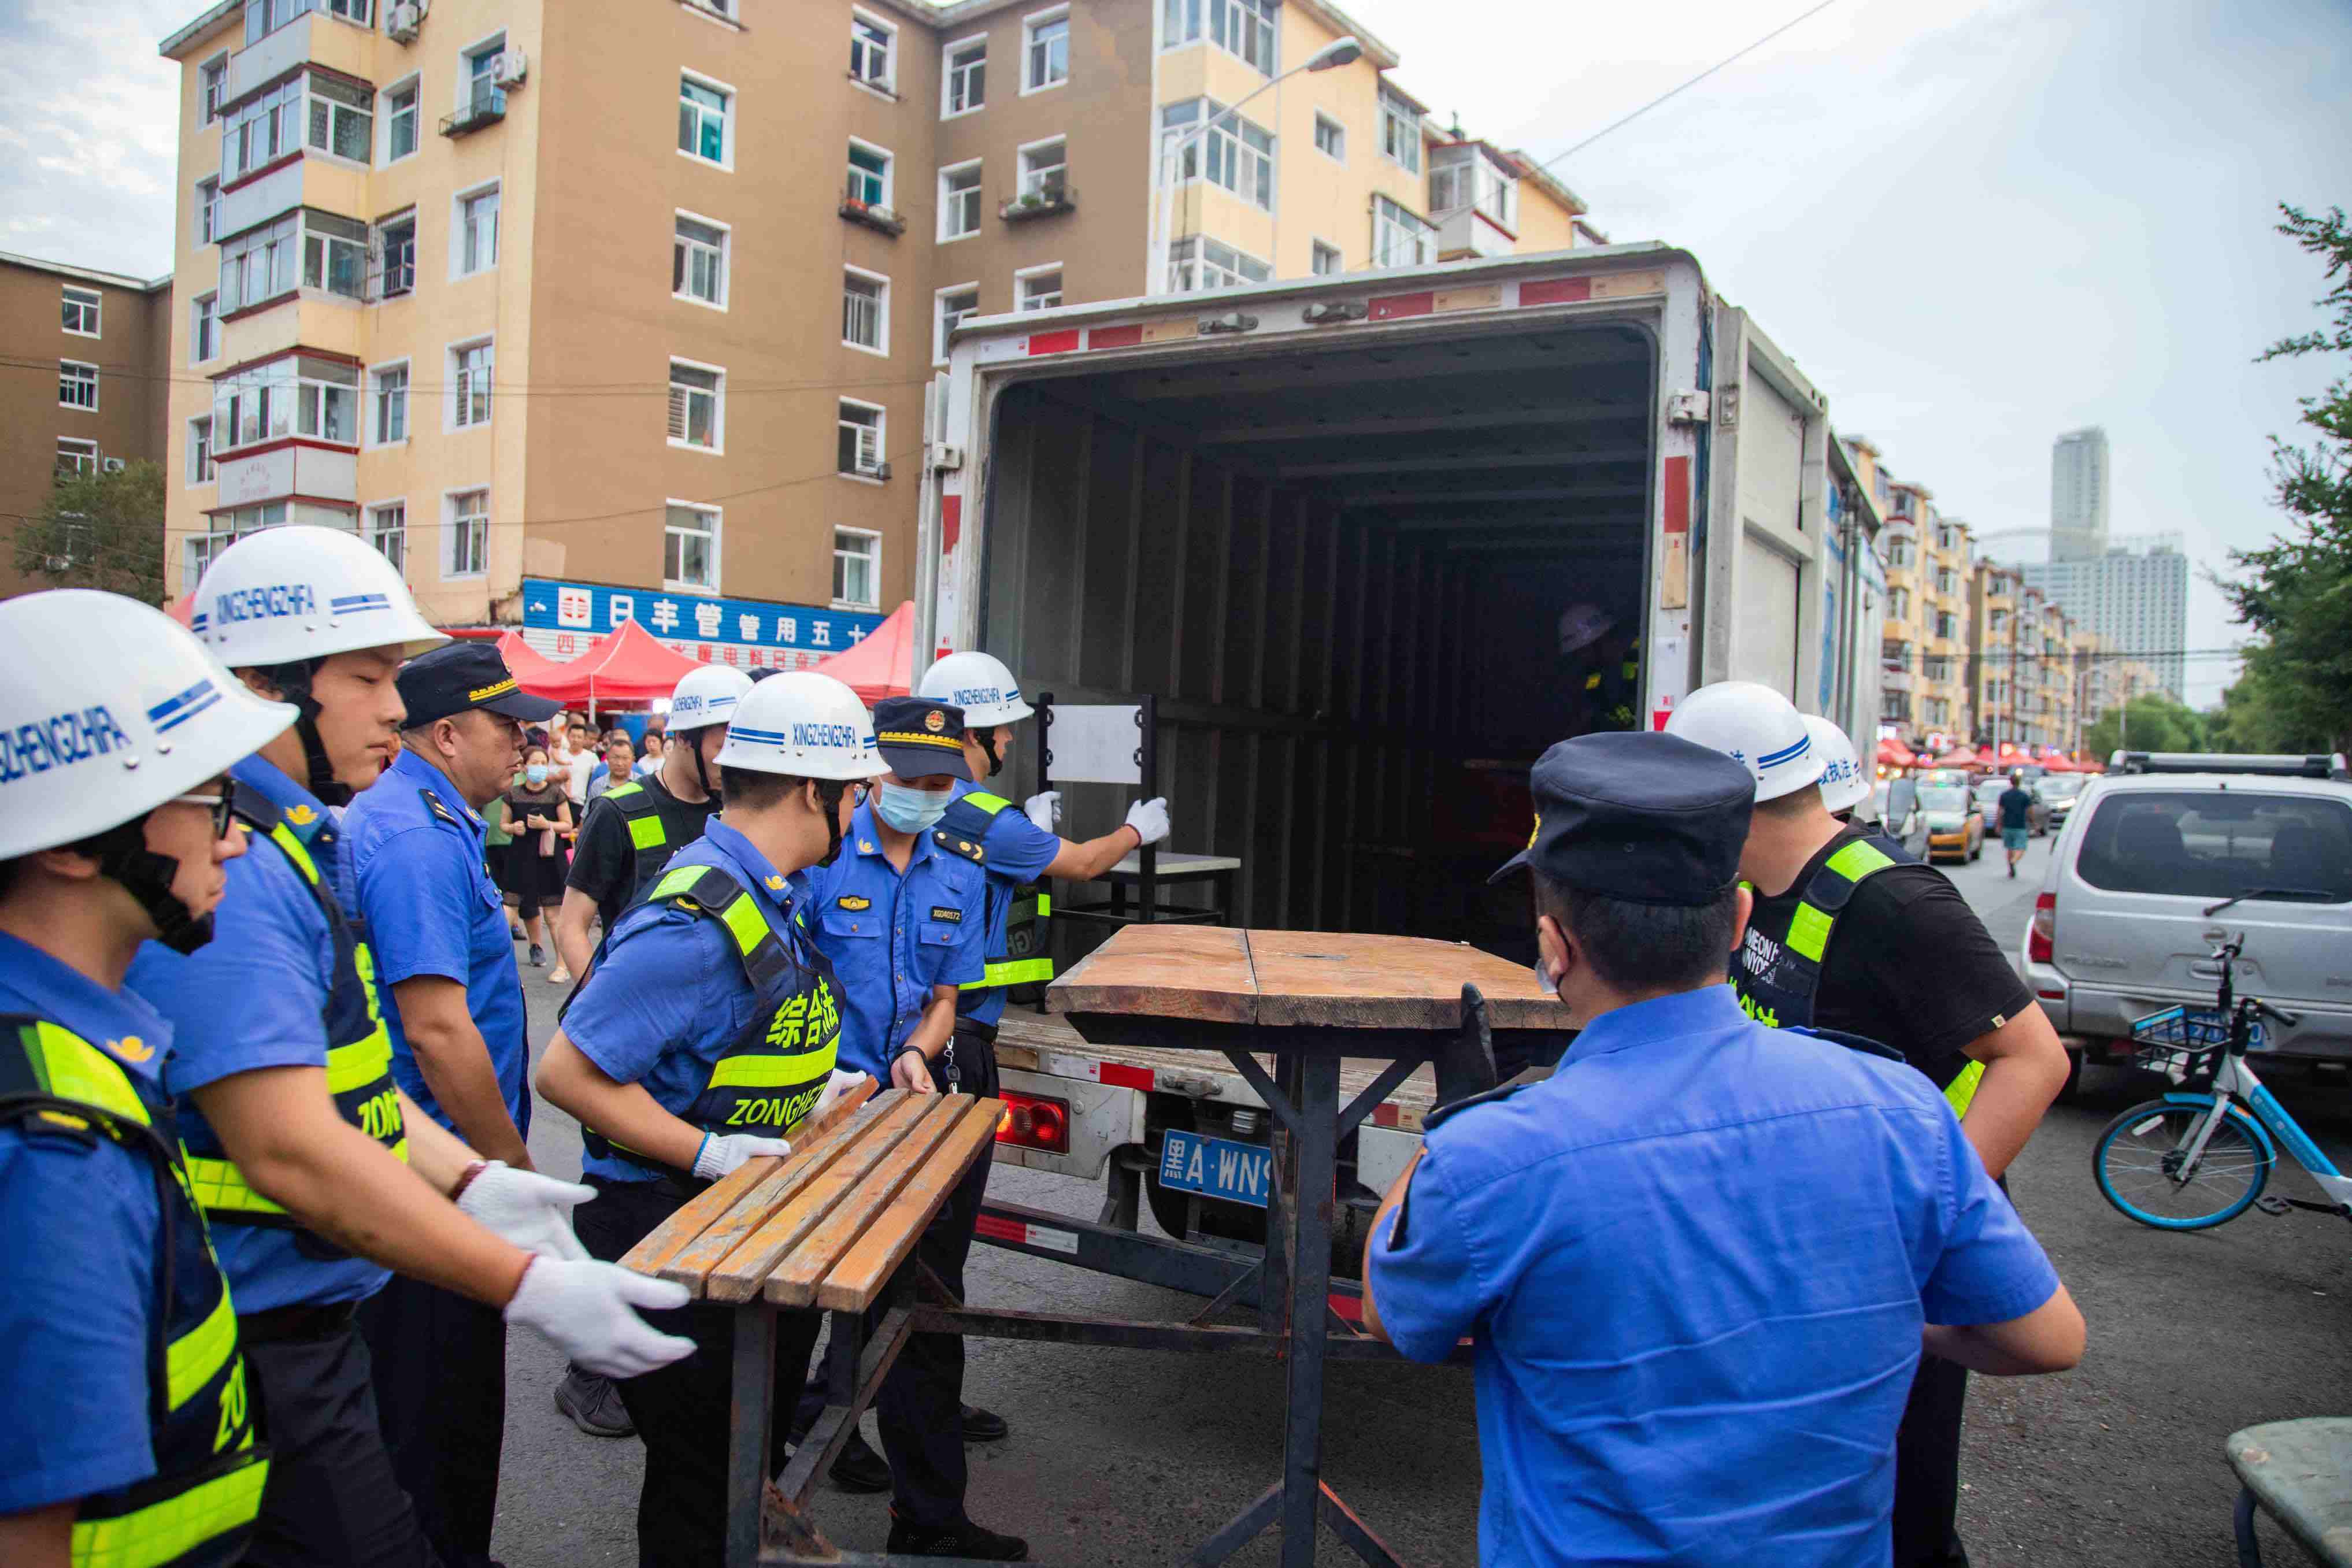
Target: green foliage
(2156, 723)
(100, 530)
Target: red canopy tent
(526, 663)
(2058, 762)
(1959, 757)
(1895, 754)
(882, 662)
(627, 664)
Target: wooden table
(832, 1227)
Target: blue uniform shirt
(1696, 1259)
(1019, 851)
(255, 996)
(670, 995)
(432, 909)
(893, 936)
(78, 1299)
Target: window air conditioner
(513, 65)
(401, 21)
(880, 470)
(112, 465)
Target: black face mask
(124, 855)
(988, 745)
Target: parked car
(1894, 807)
(2056, 793)
(1987, 797)
(1955, 828)
(2175, 854)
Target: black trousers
(1928, 1468)
(332, 1500)
(441, 1395)
(681, 1410)
(920, 1406)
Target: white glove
(841, 1083)
(586, 1310)
(720, 1156)
(1044, 810)
(1149, 818)
(532, 1211)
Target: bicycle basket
(2179, 1036)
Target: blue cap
(1638, 816)
(920, 738)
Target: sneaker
(963, 1539)
(538, 955)
(858, 1469)
(561, 975)
(594, 1405)
(982, 1426)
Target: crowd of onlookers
(532, 826)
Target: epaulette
(254, 808)
(1438, 1115)
(433, 804)
(969, 849)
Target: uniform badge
(300, 816)
(935, 721)
(852, 901)
(947, 912)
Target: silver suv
(2166, 855)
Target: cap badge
(935, 721)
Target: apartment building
(83, 355)
(588, 312)
(1925, 690)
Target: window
(1400, 130)
(77, 384)
(954, 304)
(1045, 170)
(395, 254)
(472, 372)
(1330, 138)
(387, 529)
(388, 416)
(1464, 176)
(856, 568)
(1203, 263)
(212, 79)
(474, 237)
(690, 547)
(258, 264)
(1045, 46)
(77, 455)
(81, 308)
(869, 175)
(870, 42)
(262, 129)
(696, 406)
(702, 117)
(203, 328)
(865, 312)
(201, 468)
(1326, 263)
(207, 211)
(1240, 27)
(478, 85)
(400, 113)
(293, 395)
(1898, 604)
(1945, 580)
(698, 268)
(343, 119)
(334, 254)
(960, 201)
(1401, 238)
(1235, 153)
(1039, 291)
(966, 88)
(468, 552)
(861, 439)
(361, 12)
(1947, 625)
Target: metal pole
(748, 1428)
(1313, 1080)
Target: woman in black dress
(539, 813)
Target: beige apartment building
(1925, 689)
(2043, 679)
(554, 300)
(83, 358)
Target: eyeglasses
(223, 807)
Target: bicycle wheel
(2140, 1162)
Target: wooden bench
(2300, 1473)
(829, 1228)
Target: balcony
(1048, 199)
(1895, 681)
(857, 209)
(488, 106)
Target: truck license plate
(1216, 1167)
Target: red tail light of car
(2043, 934)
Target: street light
(1340, 51)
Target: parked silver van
(2163, 858)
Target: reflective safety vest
(777, 1069)
(1020, 958)
(648, 839)
(1614, 697)
(198, 1508)
(1777, 971)
(359, 1053)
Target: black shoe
(982, 1426)
(538, 955)
(963, 1539)
(594, 1405)
(858, 1469)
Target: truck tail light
(2041, 936)
(1033, 1122)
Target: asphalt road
(1122, 1457)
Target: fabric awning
(882, 662)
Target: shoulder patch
(1440, 1115)
(853, 901)
(947, 912)
(955, 844)
(433, 804)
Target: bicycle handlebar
(2284, 1017)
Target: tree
(100, 530)
(2296, 592)
(2156, 724)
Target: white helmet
(1754, 725)
(1581, 625)
(287, 595)
(980, 684)
(804, 725)
(706, 696)
(111, 709)
(1842, 783)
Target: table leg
(747, 1429)
(1313, 1084)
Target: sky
(1973, 225)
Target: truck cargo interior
(1340, 569)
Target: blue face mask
(535, 775)
(910, 810)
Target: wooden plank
(692, 1266)
(793, 1282)
(1347, 980)
(1198, 972)
(738, 1277)
(674, 1234)
(860, 1275)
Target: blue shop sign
(691, 618)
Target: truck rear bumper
(2104, 1015)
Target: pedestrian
(1844, 936)
(649, 750)
(315, 1172)
(2016, 805)
(619, 764)
(1601, 661)
(579, 760)
(902, 914)
(124, 1411)
(1702, 1258)
(680, 1066)
(495, 840)
(541, 813)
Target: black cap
(919, 738)
(1640, 816)
(465, 674)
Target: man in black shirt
(1847, 937)
(2016, 817)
